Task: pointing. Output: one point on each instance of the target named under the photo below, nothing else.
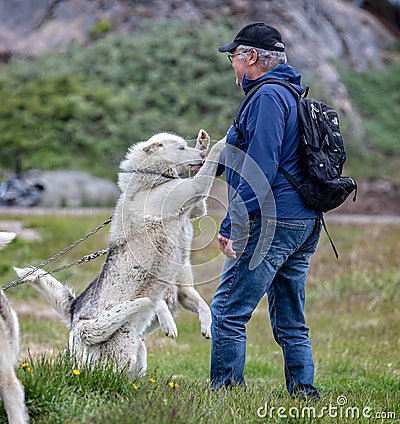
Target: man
(268, 234)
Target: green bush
(377, 97)
(83, 109)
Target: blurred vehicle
(19, 192)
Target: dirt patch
(376, 197)
(34, 308)
(18, 228)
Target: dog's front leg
(98, 330)
(191, 191)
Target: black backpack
(321, 151)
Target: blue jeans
(280, 251)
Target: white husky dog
(149, 249)
(11, 389)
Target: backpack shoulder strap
(254, 89)
(285, 84)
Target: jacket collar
(281, 71)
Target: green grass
(352, 310)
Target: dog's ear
(153, 147)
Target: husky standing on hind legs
(183, 292)
(149, 252)
(11, 389)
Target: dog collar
(137, 171)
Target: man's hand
(225, 246)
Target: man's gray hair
(268, 58)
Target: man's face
(239, 65)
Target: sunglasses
(231, 56)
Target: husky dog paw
(166, 320)
(205, 323)
(169, 329)
(203, 140)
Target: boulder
(72, 189)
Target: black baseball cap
(256, 34)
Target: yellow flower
(76, 372)
(135, 387)
(153, 380)
(25, 366)
(173, 385)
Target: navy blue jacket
(269, 139)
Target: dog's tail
(5, 238)
(59, 296)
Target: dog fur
(11, 389)
(148, 262)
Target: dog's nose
(202, 155)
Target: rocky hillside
(318, 33)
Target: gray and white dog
(148, 262)
(11, 389)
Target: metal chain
(21, 280)
(86, 258)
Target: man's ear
(252, 57)
(153, 147)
